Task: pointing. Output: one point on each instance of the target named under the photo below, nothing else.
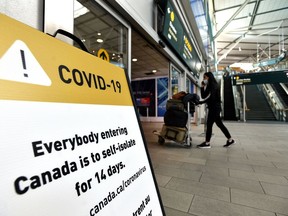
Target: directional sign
(260, 78)
(103, 54)
(71, 142)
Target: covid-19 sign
(70, 137)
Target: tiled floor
(250, 178)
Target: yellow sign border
(76, 76)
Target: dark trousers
(214, 116)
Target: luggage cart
(180, 135)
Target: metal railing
(279, 110)
(237, 102)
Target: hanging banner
(71, 143)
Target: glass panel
(100, 30)
(144, 95)
(188, 84)
(197, 7)
(162, 95)
(175, 76)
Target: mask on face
(205, 82)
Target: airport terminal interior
(250, 177)
(165, 47)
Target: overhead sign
(260, 78)
(70, 138)
(176, 36)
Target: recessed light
(154, 71)
(134, 59)
(99, 40)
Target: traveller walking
(210, 92)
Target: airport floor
(250, 178)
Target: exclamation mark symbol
(23, 62)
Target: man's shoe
(228, 144)
(204, 145)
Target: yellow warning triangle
(19, 64)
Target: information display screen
(71, 143)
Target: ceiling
(244, 29)
(148, 59)
(247, 29)
(93, 22)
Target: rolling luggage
(173, 104)
(179, 95)
(177, 134)
(175, 114)
(176, 118)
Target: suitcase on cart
(173, 104)
(176, 118)
(177, 134)
(175, 114)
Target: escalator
(257, 105)
(229, 105)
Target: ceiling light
(134, 59)
(98, 33)
(99, 40)
(154, 71)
